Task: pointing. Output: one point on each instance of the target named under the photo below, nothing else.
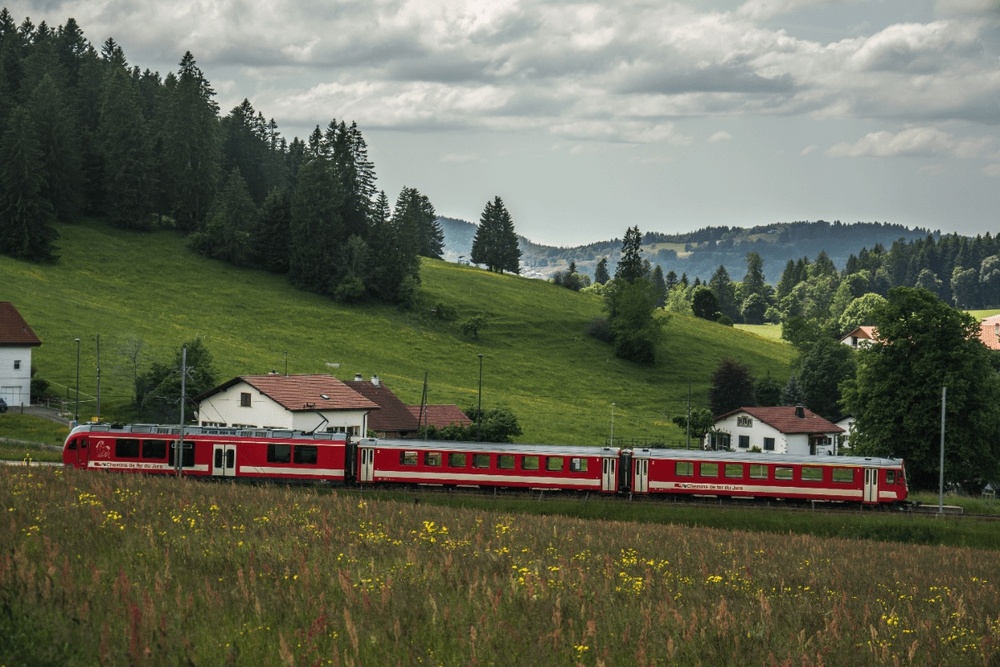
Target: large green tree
(495, 243)
(26, 216)
(732, 387)
(924, 346)
(824, 366)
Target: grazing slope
(537, 359)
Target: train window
(154, 449)
(408, 458)
(505, 461)
(432, 459)
(781, 472)
(890, 476)
(553, 463)
(709, 469)
(529, 463)
(684, 469)
(457, 460)
(127, 448)
(71, 445)
(758, 471)
(187, 459)
(480, 460)
(734, 470)
(306, 454)
(279, 453)
(768, 444)
(843, 475)
(811, 474)
(578, 465)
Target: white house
(844, 440)
(16, 341)
(783, 430)
(310, 403)
(860, 337)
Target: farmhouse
(308, 403)
(16, 341)
(783, 430)
(860, 337)
(394, 419)
(989, 332)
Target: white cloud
(721, 135)
(992, 170)
(913, 141)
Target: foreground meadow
(103, 569)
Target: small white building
(309, 403)
(782, 430)
(860, 337)
(16, 341)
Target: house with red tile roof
(860, 337)
(781, 430)
(395, 419)
(989, 332)
(16, 342)
(309, 403)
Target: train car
(208, 452)
(462, 464)
(854, 479)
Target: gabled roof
(392, 415)
(861, 333)
(299, 393)
(783, 418)
(440, 416)
(989, 332)
(14, 331)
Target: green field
(537, 358)
(132, 570)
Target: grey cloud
(710, 79)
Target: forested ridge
(85, 133)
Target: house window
(744, 442)
(744, 421)
(245, 399)
(17, 364)
(768, 444)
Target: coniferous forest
(85, 133)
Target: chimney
(375, 380)
(357, 377)
(800, 412)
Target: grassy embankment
(108, 569)
(537, 358)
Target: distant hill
(699, 253)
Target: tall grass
(538, 360)
(104, 569)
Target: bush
(600, 329)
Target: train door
(366, 463)
(871, 485)
(640, 481)
(224, 460)
(609, 477)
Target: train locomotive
(287, 456)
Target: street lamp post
(612, 424)
(479, 408)
(76, 414)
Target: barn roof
(392, 415)
(989, 332)
(301, 392)
(14, 331)
(440, 416)
(786, 420)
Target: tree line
(84, 133)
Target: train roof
(192, 431)
(493, 447)
(766, 457)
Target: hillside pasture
(146, 294)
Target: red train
(287, 456)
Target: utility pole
(76, 414)
(944, 395)
(98, 377)
(479, 408)
(180, 445)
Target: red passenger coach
(441, 463)
(208, 452)
(740, 475)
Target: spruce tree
(601, 275)
(26, 216)
(495, 243)
(316, 228)
(128, 174)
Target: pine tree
(415, 210)
(270, 239)
(57, 140)
(227, 231)
(316, 229)
(601, 275)
(26, 216)
(495, 243)
(630, 266)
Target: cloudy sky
(591, 117)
